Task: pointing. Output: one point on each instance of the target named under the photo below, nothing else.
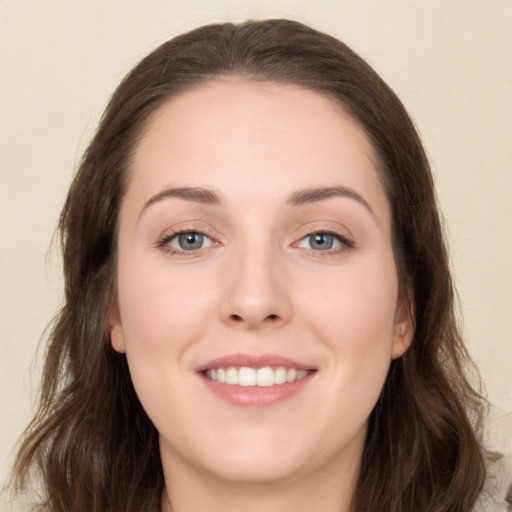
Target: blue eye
(189, 241)
(321, 242)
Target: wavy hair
(92, 447)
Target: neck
(189, 491)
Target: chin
(249, 460)
(258, 471)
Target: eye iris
(190, 241)
(321, 241)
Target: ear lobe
(116, 330)
(405, 326)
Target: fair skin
(287, 265)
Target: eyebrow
(195, 194)
(315, 194)
(298, 198)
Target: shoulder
(498, 488)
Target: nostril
(269, 318)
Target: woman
(259, 311)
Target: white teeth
(247, 376)
(280, 376)
(262, 377)
(265, 377)
(231, 376)
(291, 375)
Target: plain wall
(449, 61)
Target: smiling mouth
(251, 377)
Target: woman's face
(255, 247)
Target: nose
(256, 294)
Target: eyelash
(345, 244)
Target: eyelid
(323, 226)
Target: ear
(116, 330)
(405, 325)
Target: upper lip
(253, 361)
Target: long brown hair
(91, 445)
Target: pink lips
(238, 360)
(254, 396)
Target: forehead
(252, 137)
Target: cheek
(354, 316)
(159, 308)
(161, 317)
(360, 301)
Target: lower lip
(256, 396)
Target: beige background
(449, 61)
